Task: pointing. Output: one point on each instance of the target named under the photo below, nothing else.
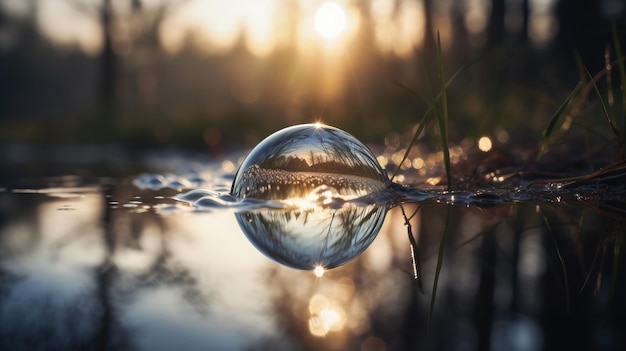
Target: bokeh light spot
(326, 316)
(330, 20)
(484, 144)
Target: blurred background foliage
(212, 74)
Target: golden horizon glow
(265, 25)
(330, 20)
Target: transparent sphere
(308, 155)
(313, 170)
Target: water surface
(158, 261)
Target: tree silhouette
(108, 59)
(582, 31)
(495, 26)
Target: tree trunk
(108, 60)
(495, 29)
(582, 32)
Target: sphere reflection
(313, 170)
(312, 238)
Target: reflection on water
(310, 238)
(112, 266)
(81, 270)
(84, 270)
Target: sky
(216, 25)
(268, 24)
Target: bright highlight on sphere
(319, 271)
(330, 20)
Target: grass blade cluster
(561, 260)
(576, 100)
(441, 113)
(560, 112)
(622, 74)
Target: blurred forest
(129, 86)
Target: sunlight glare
(398, 31)
(318, 198)
(319, 271)
(216, 26)
(326, 316)
(318, 124)
(330, 20)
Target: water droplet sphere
(314, 170)
(308, 155)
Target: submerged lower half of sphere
(305, 238)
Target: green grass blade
(420, 128)
(415, 257)
(592, 267)
(547, 133)
(443, 116)
(561, 261)
(617, 251)
(565, 275)
(609, 81)
(431, 107)
(442, 245)
(594, 261)
(592, 132)
(605, 110)
(422, 123)
(622, 74)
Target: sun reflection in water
(320, 197)
(326, 316)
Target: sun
(330, 20)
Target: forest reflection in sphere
(314, 170)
